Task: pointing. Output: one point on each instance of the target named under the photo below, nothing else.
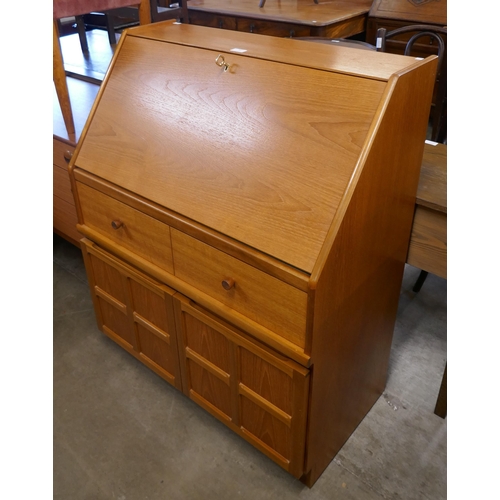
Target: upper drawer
(138, 232)
(270, 302)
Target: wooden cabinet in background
(64, 211)
(285, 18)
(246, 237)
(392, 14)
(82, 95)
(428, 245)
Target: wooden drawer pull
(116, 224)
(228, 283)
(68, 155)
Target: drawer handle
(68, 155)
(116, 224)
(228, 283)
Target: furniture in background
(428, 244)
(263, 2)
(82, 95)
(412, 35)
(69, 8)
(240, 247)
(114, 20)
(339, 42)
(392, 14)
(283, 18)
(162, 10)
(441, 403)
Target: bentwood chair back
(72, 8)
(437, 36)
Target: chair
(148, 11)
(71, 8)
(164, 9)
(438, 112)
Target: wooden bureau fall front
(246, 220)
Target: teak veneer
(245, 230)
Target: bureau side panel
(358, 284)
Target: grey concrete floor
(121, 432)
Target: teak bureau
(246, 220)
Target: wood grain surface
(203, 142)
(301, 11)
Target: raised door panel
(258, 393)
(155, 329)
(134, 311)
(108, 288)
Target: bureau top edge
(346, 60)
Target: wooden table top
(413, 11)
(433, 178)
(297, 11)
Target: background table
(284, 18)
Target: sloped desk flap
(262, 148)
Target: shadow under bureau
(246, 222)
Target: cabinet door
(256, 392)
(135, 311)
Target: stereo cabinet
(246, 217)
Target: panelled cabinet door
(134, 311)
(259, 394)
